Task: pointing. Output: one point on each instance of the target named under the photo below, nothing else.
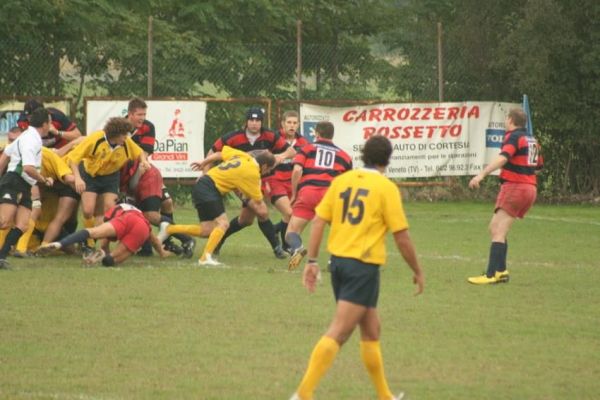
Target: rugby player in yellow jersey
(361, 206)
(96, 162)
(56, 168)
(239, 171)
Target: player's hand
(311, 276)
(144, 166)
(49, 182)
(475, 181)
(278, 159)
(79, 185)
(197, 165)
(419, 280)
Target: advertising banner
(179, 129)
(429, 139)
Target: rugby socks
(77, 237)
(213, 241)
(497, 254)
(370, 352)
(321, 359)
(179, 236)
(293, 240)
(282, 230)
(268, 230)
(194, 230)
(234, 226)
(502, 265)
(89, 223)
(23, 242)
(3, 233)
(11, 239)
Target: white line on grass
(569, 220)
(64, 396)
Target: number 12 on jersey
(353, 210)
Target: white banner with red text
(429, 139)
(179, 129)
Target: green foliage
(358, 49)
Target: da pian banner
(429, 139)
(179, 129)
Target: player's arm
(79, 183)
(67, 147)
(296, 175)
(206, 164)
(34, 173)
(71, 135)
(287, 154)
(158, 246)
(310, 275)
(497, 163)
(4, 160)
(407, 249)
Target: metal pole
(440, 56)
(299, 59)
(150, 58)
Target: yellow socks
(321, 359)
(3, 233)
(370, 352)
(23, 242)
(213, 241)
(192, 230)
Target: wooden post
(440, 57)
(299, 60)
(150, 58)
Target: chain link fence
(430, 69)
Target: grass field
(171, 330)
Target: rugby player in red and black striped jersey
(251, 138)
(144, 135)
(519, 160)
(315, 166)
(279, 185)
(62, 129)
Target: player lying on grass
(123, 223)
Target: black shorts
(355, 281)
(100, 184)
(15, 190)
(207, 199)
(64, 190)
(151, 203)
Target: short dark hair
(117, 126)
(39, 117)
(31, 105)
(136, 103)
(290, 114)
(518, 117)
(264, 157)
(325, 129)
(377, 151)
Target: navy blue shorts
(354, 281)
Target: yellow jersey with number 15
(238, 170)
(361, 206)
